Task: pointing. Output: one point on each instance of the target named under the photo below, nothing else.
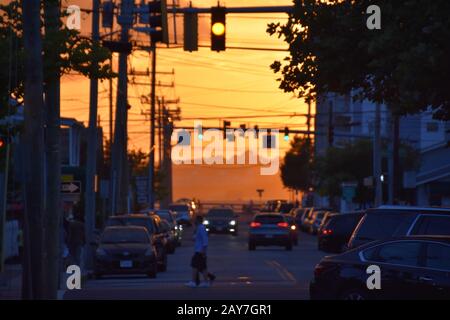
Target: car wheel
(251, 246)
(289, 247)
(235, 234)
(296, 242)
(353, 294)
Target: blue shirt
(201, 239)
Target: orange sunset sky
(209, 84)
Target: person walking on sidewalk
(75, 239)
(199, 260)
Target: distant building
(350, 120)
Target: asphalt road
(269, 273)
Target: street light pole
(151, 173)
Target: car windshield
(269, 219)
(112, 236)
(220, 213)
(179, 208)
(164, 215)
(138, 222)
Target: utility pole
(167, 156)
(33, 157)
(119, 175)
(52, 218)
(308, 121)
(151, 173)
(91, 167)
(377, 157)
(330, 125)
(393, 163)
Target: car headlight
(232, 222)
(100, 252)
(206, 222)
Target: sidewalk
(11, 282)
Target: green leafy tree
(404, 65)
(297, 167)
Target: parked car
(410, 268)
(334, 234)
(326, 219)
(151, 223)
(314, 222)
(396, 221)
(293, 229)
(307, 221)
(269, 229)
(170, 235)
(125, 250)
(183, 213)
(221, 220)
(284, 208)
(300, 215)
(272, 205)
(170, 217)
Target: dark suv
(152, 224)
(396, 221)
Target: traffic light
(2, 143)
(190, 31)
(256, 131)
(199, 131)
(218, 29)
(226, 125)
(107, 14)
(269, 140)
(158, 21)
(286, 134)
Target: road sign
(72, 187)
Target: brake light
(283, 225)
(327, 232)
(255, 225)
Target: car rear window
(269, 219)
(376, 226)
(112, 236)
(344, 223)
(138, 222)
(432, 225)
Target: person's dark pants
(200, 263)
(75, 255)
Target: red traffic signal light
(218, 29)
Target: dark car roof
(133, 216)
(443, 239)
(432, 210)
(343, 215)
(135, 228)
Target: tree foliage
(75, 54)
(296, 170)
(404, 65)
